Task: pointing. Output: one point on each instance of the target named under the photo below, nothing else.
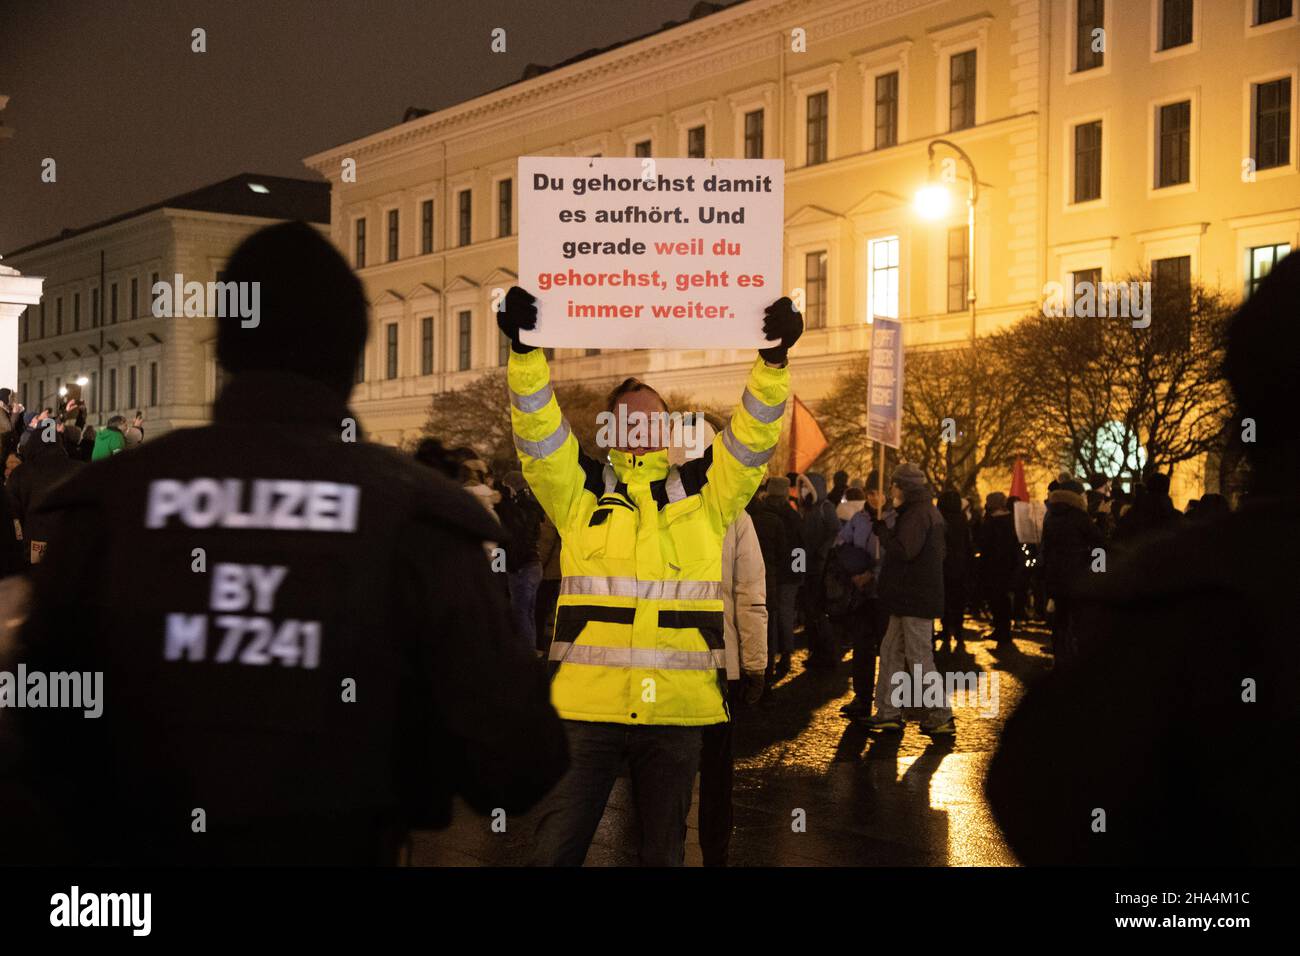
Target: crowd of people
(396, 629)
(41, 448)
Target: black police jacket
(303, 649)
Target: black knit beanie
(312, 309)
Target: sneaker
(884, 723)
(945, 729)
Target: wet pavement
(864, 799)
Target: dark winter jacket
(1069, 537)
(959, 550)
(820, 524)
(45, 466)
(911, 570)
(300, 635)
(521, 516)
(779, 531)
(1000, 556)
(1195, 630)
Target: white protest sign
(650, 253)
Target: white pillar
(17, 292)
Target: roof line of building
(213, 197)
(718, 19)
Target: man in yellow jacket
(638, 660)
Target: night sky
(113, 93)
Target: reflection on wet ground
(814, 789)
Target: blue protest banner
(885, 384)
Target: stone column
(17, 292)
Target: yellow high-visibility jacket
(638, 629)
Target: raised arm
(741, 450)
(547, 449)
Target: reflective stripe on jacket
(638, 634)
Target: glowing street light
(933, 201)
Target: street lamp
(933, 201)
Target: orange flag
(806, 438)
(1018, 487)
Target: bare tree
(963, 411)
(1110, 391)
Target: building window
(591, 352)
(1267, 11)
(1272, 124)
(112, 389)
(112, 304)
(359, 373)
(153, 283)
(1171, 300)
(76, 312)
(426, 346)
(463, 323)
(887, 110)
(1085, 282)
(754, 134)
(695, 142)
(131, 387)
(958, 269)
(359, 256)
(503, 350)
(882, 256)
(392, 235)
(426, 227)
(42, 324)
(464, 212)
(95, 314)
(58, 316)
(814, 289)
(641, 149)
(1171, 278)
(1175, 23)
(1089, 35)
(1262, 261)
(505, 207)
(1173, 147)
(135, 297)
(153, 384)
(961, 91)
(1087, 161)
(390, 338)
(818, 127)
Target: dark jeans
(816, 626)
(867, 626)
(782, 601)
(1063, 649)
(663, 762)
(1000, 606)
(717, 767)
(954, 608)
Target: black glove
(781, 323)
(753, 685)
(520, 312)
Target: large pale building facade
(1108, 136)
(129, 359)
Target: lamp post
(933, 201)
